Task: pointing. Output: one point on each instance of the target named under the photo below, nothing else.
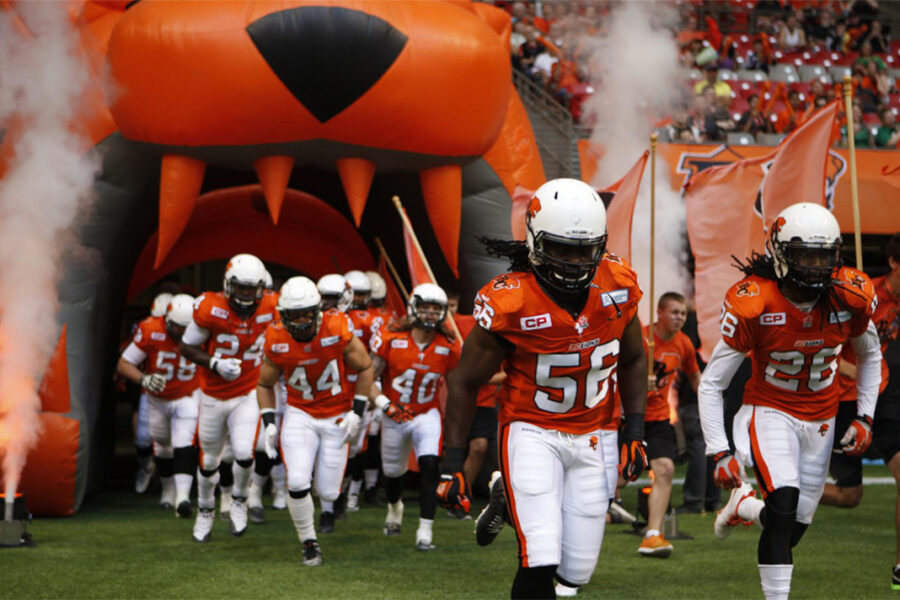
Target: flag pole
(854, 190)
(650, 333)
(390, 266)
(412, 235)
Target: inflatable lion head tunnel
(281, 129)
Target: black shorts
(846, 470)
(484, 425)
(661, 443)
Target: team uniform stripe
(510, 500)
(759, 465)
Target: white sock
(651, 533)
(327, 506)
(395, 512)
(301, 510)
(254, 495)
(183, 483)
(776, 581)
(355, 486)
(241, 480)
(206, 487)
(749, 509)
(371, 476)
(257, 479)
(225, 494)
(424, 531)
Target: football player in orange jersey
(411, 356)
(847, 490)
(171, 385)
(335, 291)
(673, 353)
(311, 349)
(226, 339)
(792, 313)
(563, 324)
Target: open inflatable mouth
(282, 130)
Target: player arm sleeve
(194, 335)
(133, 354)
(722, 366)
(868, 369)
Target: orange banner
(878, 173)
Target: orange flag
(621, 210)
(724, 220)
(393, 300)
(417, 271)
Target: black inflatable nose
(327, 56)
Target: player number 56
(596, 380)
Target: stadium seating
(783, 72)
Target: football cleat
(352, 502)
(727, 518)
(279, 499)
(394, 518)
(257, 515)
(238, 518)
(326, 522)
(455, 513)
(564, 591)
(142, 478)
(618, 514)
(656, 546)
(424, 541)
(203, 525)
(312, 554)
(391, 529)
(184, 509)
(490, 521)
(895, 578)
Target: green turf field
(121, 546)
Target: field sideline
(121, 546)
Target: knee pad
(780, 517)
(244, 462)
(165, 466)
(428, 466)
(566, 582)
(185, 459)
(207, 472)
(263, 464)
(298, 495)
(534, 582)
(782, 502)
(226, 474)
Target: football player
(171, 384)
(226, 339)
(311, 349)
(336, 293)
(143, 441)
(378, 298)
(411, 356)
(847, 490)
(673, 354)
(792, 312)
(563, 323)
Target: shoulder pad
(505, 292)
(619, 268)
(747, 297)
(854, 287)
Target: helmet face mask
(361, 285)
(179, 314)
(302, 323)
(335, 292)
(300, 308)
(805, 243)
(245, 280)
(427, 306)
(566, 265)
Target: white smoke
(641, 79)
(43, 79)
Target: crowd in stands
(757, 70)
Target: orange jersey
(233, 337)
(669, 357)
(559, 373)
(795, 353)
(314, 371)
(163, 358)
(887, 321)
(364, 324)
(411, 374)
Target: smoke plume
(640, 79)
(43, 81)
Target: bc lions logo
(534, 207)
(748, 288)
(778, 224)
(593, 442)
(506, 281)
(858, 281)
(823, 429)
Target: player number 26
(595, 382)
(784, 368)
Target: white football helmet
(335, 292)
(160, 304)
(565, 234)
(297, 300)
(379, 287)
(425, 293)
(362, 288)
(805, 243)
(179, 315)
(244, 282)
(270, 283)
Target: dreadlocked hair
(515, 251)
(406, 323)
(831, 303)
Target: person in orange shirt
(673, 353)
(563, 323)
(793, 312)
(312, 349)
(411, 357)
(171, 384)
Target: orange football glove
(633, 460)
(396, 412)
(727, 473)
(858, 436)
